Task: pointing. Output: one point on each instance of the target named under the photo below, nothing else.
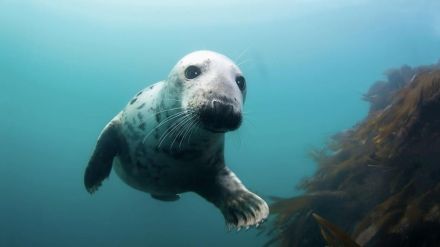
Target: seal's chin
(219, 117)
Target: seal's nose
(221, 116)
(220, 108)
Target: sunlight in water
(203, 13)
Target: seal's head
(212, 87)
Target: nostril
(220, 107)
(215, 103)
(220, 116)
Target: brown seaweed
(380, 180)
(333, 235)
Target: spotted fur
(159, 146)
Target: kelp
(333, 235)
(379, 181)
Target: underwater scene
(219, 123)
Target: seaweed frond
(380, 180)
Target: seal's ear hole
(241, 82)
(192, 72)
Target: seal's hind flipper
(100, 164)
(240, 207)
(166, 198)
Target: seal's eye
(241, 82)
(192, 72)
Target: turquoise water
(67, 67)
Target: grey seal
(170, 138)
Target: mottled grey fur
(158, 145)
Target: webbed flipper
(240, 207)
(100, 164)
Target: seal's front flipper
(166, 198)
(240, 207)
(100, 164)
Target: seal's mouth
(219, 116)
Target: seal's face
(212, 87)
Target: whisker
(244, 62)
(178, 100)
(248, 119)
(247, 112)
(181, 129)
(192, 130)
(173, 128)
(171, 109)
(176, 115)
(169, 129)
(176, 131)
(241, 54)
(188, 129)
(172, 131)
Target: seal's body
(169, 139)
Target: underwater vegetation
(379, 182)
(332, 234)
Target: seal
(170, 137)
